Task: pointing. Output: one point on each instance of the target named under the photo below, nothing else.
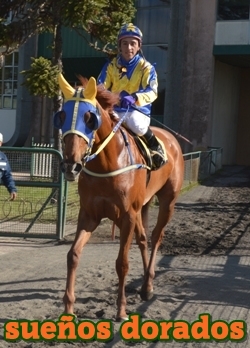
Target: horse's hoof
(121, 319)
(146, 295)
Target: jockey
(135, 79)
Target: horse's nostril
(76, 168)
(73, 168)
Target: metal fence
(47, 206)
(201, 164)
(38, 210)
(41, 163)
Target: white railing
(41, 163)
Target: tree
(97, 21)
(41, 81)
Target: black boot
(155, 148)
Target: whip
(163, 125)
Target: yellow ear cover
(91, 89)
(67, 89)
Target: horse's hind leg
(84, 229)
(126, 234)
(141, 230)
(167, 198)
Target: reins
(101, 147)
(106, 141)
(116, 172)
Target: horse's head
(78, 121)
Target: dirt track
(211, 219)
(203, 267)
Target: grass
(38, 203)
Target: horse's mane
(105, 98)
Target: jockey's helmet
(129, 30)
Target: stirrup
(158, 159)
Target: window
(8, 82)
(233, 10)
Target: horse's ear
(68, 91)
(91, 89)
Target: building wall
(192, 62)
(231, 113)
(7, 124)
(15, 124)
(243, 129)
(207, 100)
(199, 68)
(239, 33)
(25, 104)
(174, 65)
(203, 99)
(225, 110)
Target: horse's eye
(91, 120)
(59, 119)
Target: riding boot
(155, 148)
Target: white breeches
(136, 121)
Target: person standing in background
(6, 175)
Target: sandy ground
(203, 266)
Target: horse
(114, 182)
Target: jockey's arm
(149, 90)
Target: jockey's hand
(127, 101)
(13, 196)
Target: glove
(127, 101)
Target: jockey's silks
(136, 76)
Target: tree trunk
(57, 60)
(36, 122)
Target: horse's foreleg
(126, 235)
(166, 210)
(73, 257)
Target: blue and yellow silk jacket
(136, 77)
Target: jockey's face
(129, 48)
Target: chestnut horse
(114, 182)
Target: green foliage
(41, 79)
(101, 19)
(97, 21)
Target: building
(208, 75)
(202, 53)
